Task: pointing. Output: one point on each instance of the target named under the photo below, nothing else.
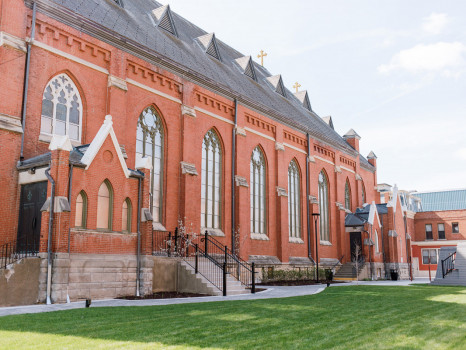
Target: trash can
(394, 275)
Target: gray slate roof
(133, 26)
(442, 200)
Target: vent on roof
(164, 19)
(277, 83)
(209, 43)
(303, 97)
(119, 2)
(329, 121)
(247, 66)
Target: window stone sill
(216, 232)
(260, 236)
(326, 243)
(48, 138)
(100, 231)
(295, 240)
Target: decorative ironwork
(448, 264)
(18, 249)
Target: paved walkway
(271, 292)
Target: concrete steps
(458, 276)
(212, 275)
(347, 272)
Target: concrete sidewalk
(269, 293)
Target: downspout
(26, 79)
(70, 186)
(49, 241)
(138, 268)
(233, 170)
(308, 194)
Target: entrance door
(32, 199)
(356, 246)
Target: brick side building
(129, 109)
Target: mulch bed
(164, 295)
(296, 283)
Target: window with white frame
(81, 210)
(455, 227)
(429, 234)
(429, 256)
(105, 206)
(61, 108)
(126, 216)
(441, 231)
(149, 143)
(324, 207)
(347, 195)
(376, 241)
(211, 182)
(257, 192)
(294, 200)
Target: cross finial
(297, 86)
(261, 55)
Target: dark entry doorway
(356, 243)
(32, 199)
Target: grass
(349, 317)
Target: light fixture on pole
(316, 217)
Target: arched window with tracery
(80, 219)
(324, 207)
(126, 216)
(348, 195)
(61, 108)
(149, 143)
(294, 200)
(105, 206)
(211, 181)
(257, 192)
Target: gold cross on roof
(261, 55)
(297, 86)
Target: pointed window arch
(126, 216)
(348, 195)
(294, 200)
(62, 108)
(80, 219)
(149, 143)
(376, 241)
(105, 206)
(257, 191)
(324, 207)
(211, 186)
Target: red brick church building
(119, 108)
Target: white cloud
(435, 23)
(441, 57)
(461, 153)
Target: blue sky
(395, 71)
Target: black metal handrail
(18, 249)
(448, 264)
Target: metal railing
(448, 264)
(18, 249)
(207, 256)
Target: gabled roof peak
(351, 134)
(277, 83)
(303, 97)
(329, 121)
(371, 155)
(247, 66)
(164, 18)
(209, 44)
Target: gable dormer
(119, 2)
(329, 121)
(247, 66)
(277, 83)
(164, 19)
(303, 97)
(209, 44)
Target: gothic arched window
(363, 193)
(126, 216)
(347, 195)
(258, 189)
(211, 181)
(376, 241)
(81, 210)
(61, 108)
(149, 143)
(324, 207)
(294, 200)
(105, 206)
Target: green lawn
(357, 317)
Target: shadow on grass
(342, 318)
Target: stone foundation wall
(95, 276)
(19, 283)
